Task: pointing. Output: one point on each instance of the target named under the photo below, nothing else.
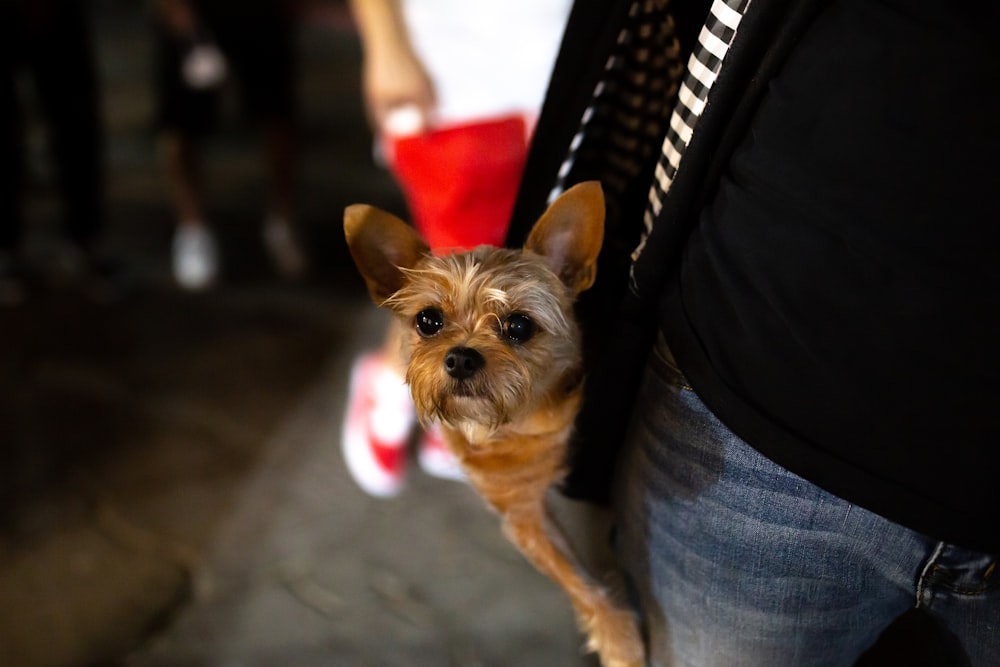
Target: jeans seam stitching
(929, 567)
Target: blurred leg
(66, 79)
(11, 140)
(261, 48)
(182, 168)
(280, 165)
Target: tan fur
(509, 423)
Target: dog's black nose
(463, 362)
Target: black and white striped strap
(703, 67)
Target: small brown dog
(494, 356)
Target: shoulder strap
(768, 32)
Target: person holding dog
(792, 339)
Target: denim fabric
(734, 560)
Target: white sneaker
(195, 257)
(377, 426)
(284, 248)
(436, 459)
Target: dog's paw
(613, 634)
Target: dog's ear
(570, 233)
(381, 245)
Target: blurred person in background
(452, 89)
(201, 44)
(50, 41)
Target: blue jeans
(734, 560)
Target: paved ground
(169, 465)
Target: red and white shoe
(377, 426)
(435, 458)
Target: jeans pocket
(665, 366)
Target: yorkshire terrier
(494, 357)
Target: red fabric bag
(461, 181)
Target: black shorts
(260, 54)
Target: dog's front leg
(611, 630)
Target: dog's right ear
(381, 245)
(570, 233)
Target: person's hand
(399, 95)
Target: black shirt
(838, 302)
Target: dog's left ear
(570, 233)
(381, 245)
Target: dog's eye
(429, 322)
(518, 328)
